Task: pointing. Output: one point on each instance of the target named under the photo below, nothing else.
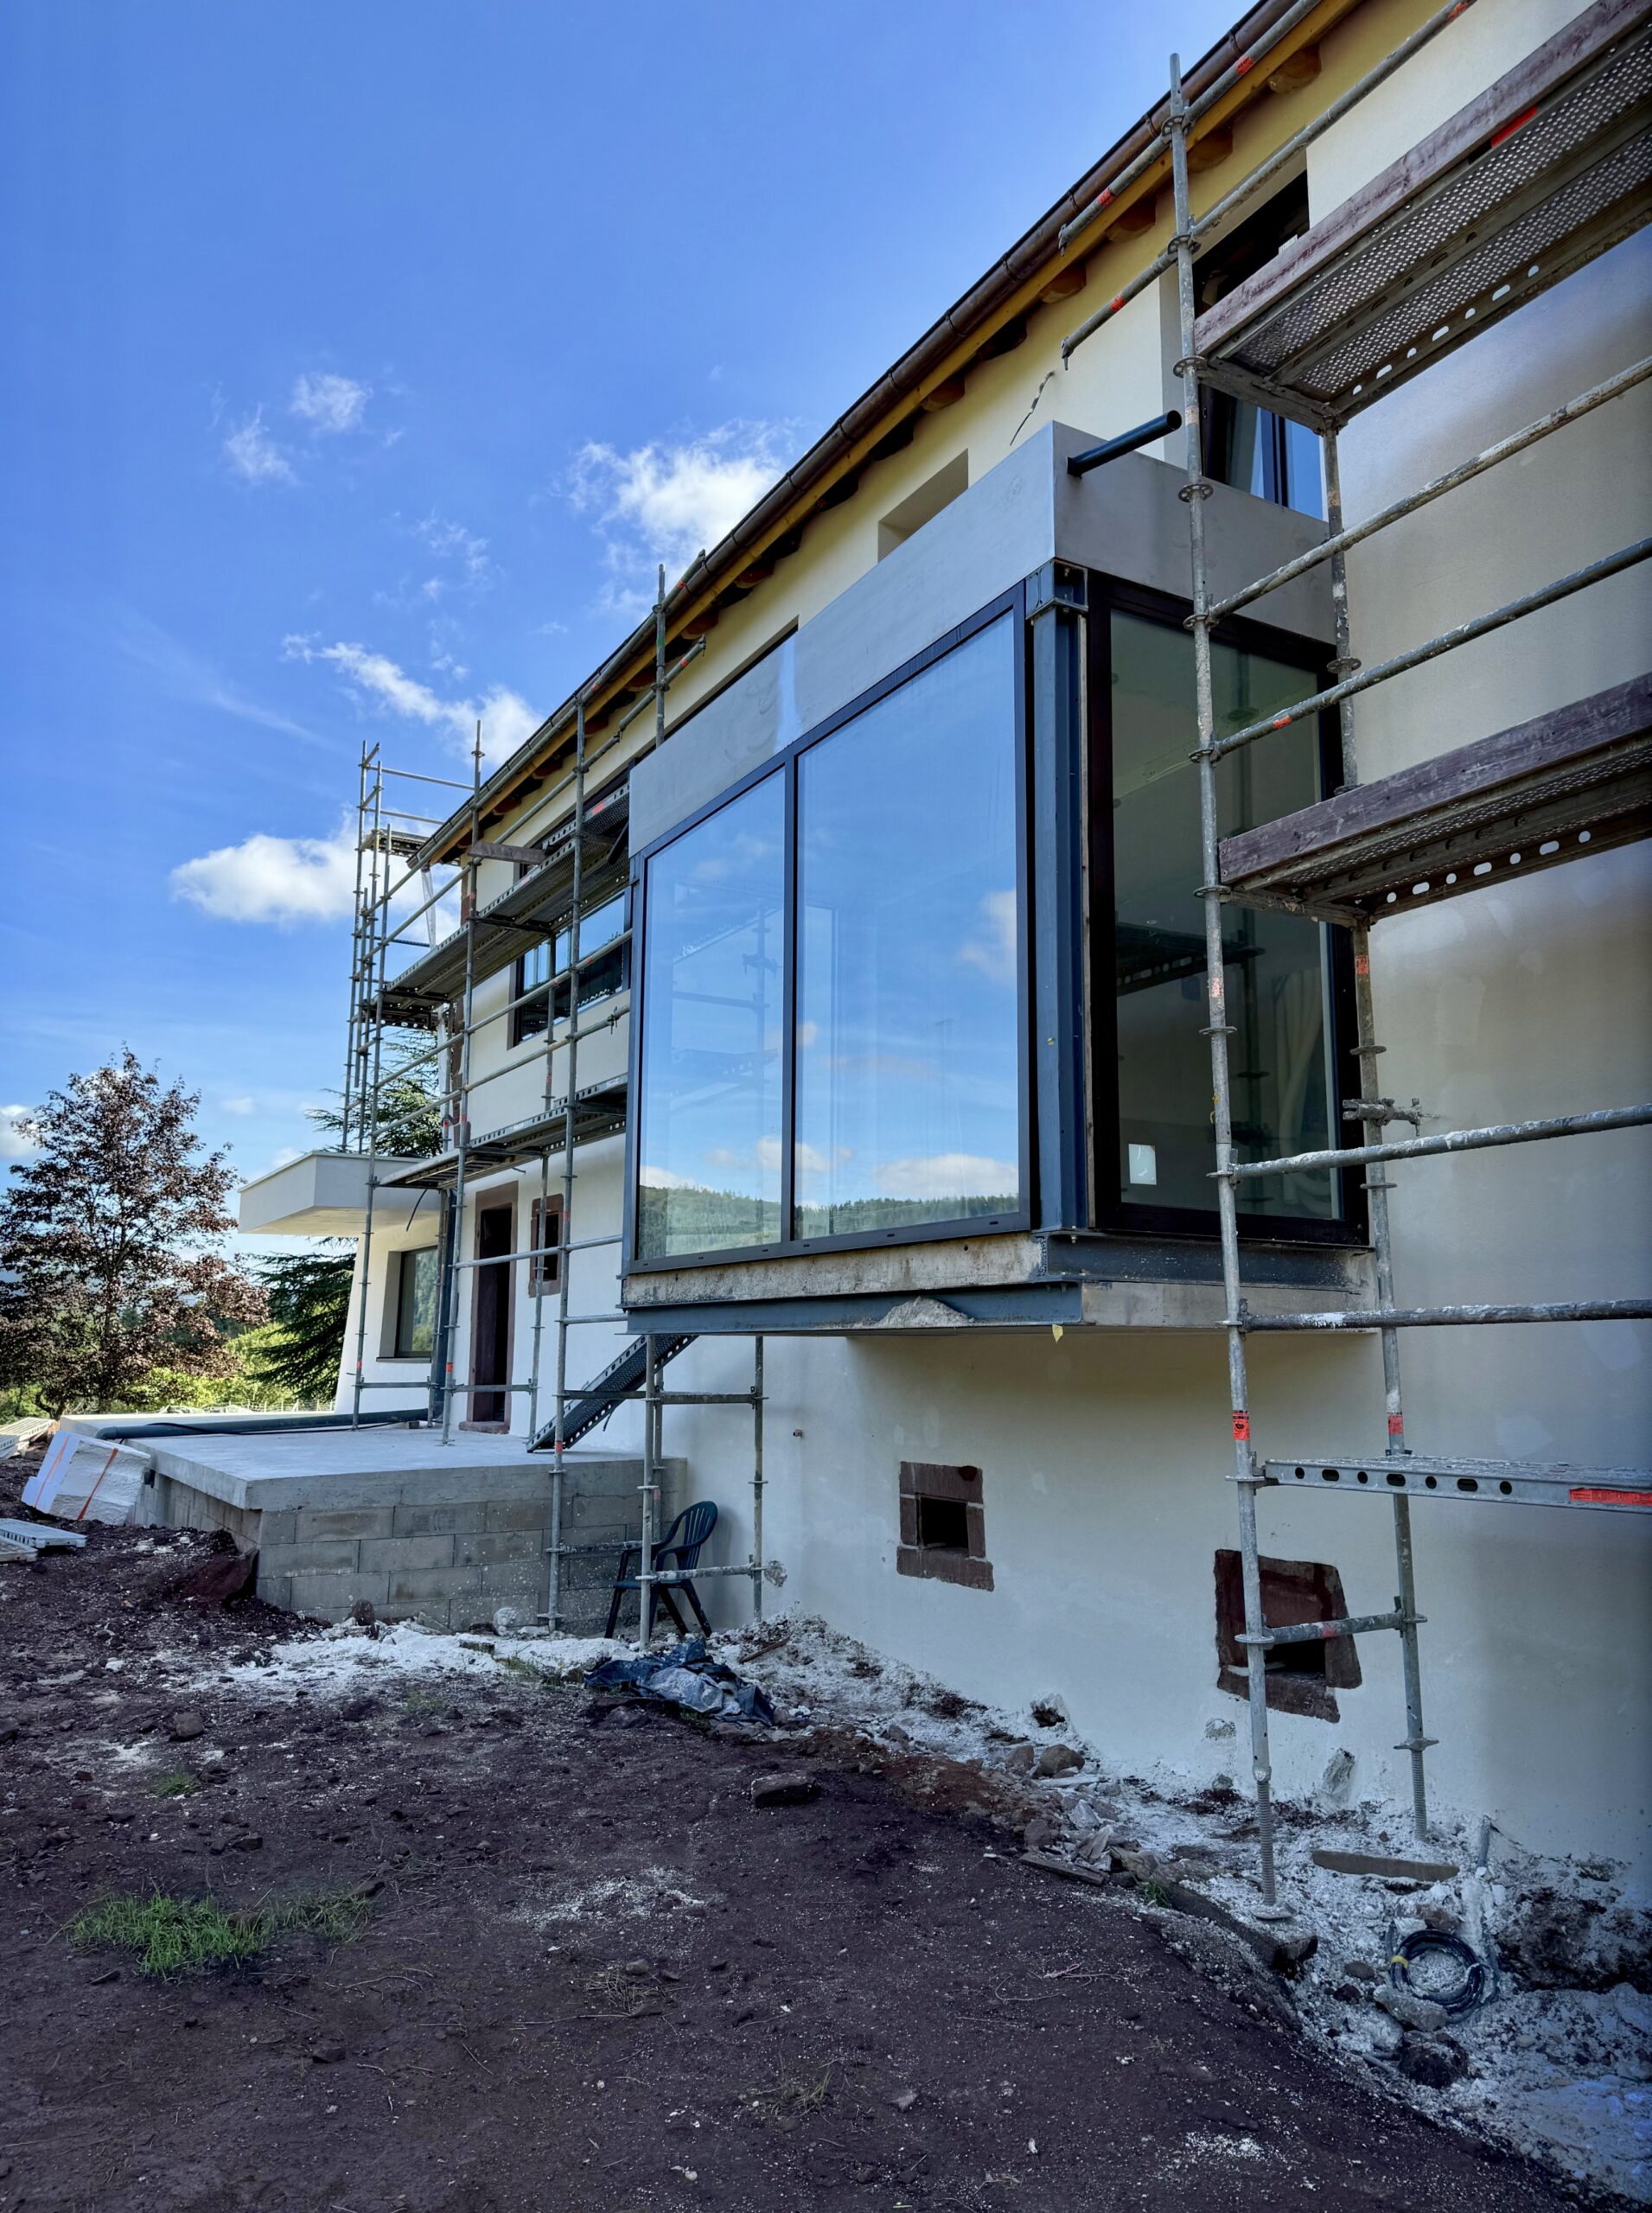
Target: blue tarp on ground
(688, 1677)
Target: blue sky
(361, 361)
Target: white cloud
(665, 502)
(332, 403)
(16, 1142)
(254, 455)
(766, 1155)
(268, 879)
(667, 1179)
(994, 953)
(243, 1105)
(949, 1175)
(506, 719)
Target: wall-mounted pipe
(1080, 464)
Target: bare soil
(595, 1978)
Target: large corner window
(709, 1143)
(1277, 967)
(831, 1032)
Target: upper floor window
(1245, 445)
(831, 1032)
(604, 968)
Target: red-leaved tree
(103, 1280)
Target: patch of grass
(167, 1936)
(1153, 1893)
(180, 1783)
(541, 1678)
(418, 1702)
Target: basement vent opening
(943, 1525)
(1301, 1678)
(943, 1528)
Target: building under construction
(1062, 1031)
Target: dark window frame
(1110, 1210)
(401, 1304)
(1012, 604)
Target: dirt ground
(595, 1977)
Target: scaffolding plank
(533, 908)
(1578, 781)
(599, 1111)
(1487, 1481)
(1538, 174)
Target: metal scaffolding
(399, 904)
(1316, 339)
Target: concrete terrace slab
(362, 1467)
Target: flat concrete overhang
(321, 1195)
(1077, 1280)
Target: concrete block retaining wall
(446, 1561)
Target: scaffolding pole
(1195, 491)
(386, 835)
(1374, 1112)
(462, 1102)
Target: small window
(1301, 1678)
(1245, 445)
(922, 505)
(604, 968)
(545, 1271)
(943, 1528)
(414, 1284)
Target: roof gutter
(846, 441)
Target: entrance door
(491, 1335)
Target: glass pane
(709, 1140)
(596, 928)
(907, 1092)
(1304, 487)
(1275, 963)
(415, 1316)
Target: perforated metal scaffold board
(1578, 780)
(1539, 174)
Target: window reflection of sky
(907, 1068)
(600, 927)
(709, 1144)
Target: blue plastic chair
(678, 1552)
